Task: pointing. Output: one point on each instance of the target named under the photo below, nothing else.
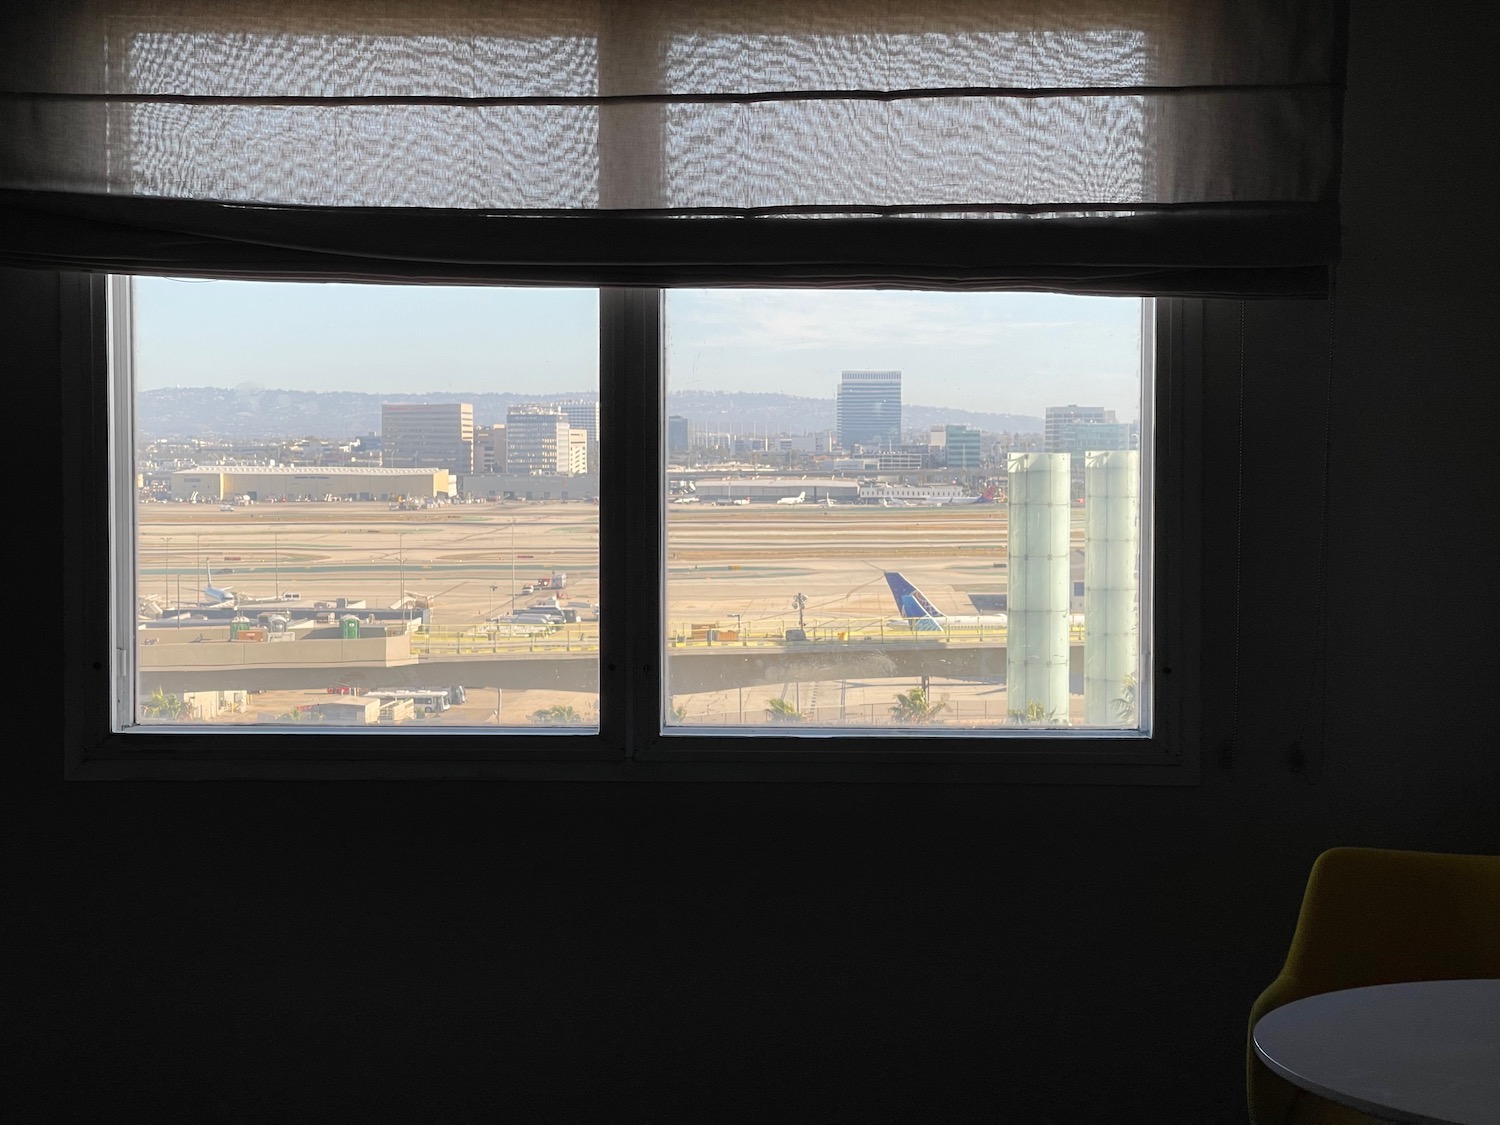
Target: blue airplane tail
(910, 602)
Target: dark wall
(859, 953)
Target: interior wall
(860, 953)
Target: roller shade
(1110, 146)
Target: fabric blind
(1089, 145)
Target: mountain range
(253, 412)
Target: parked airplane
(989, 496)
(797, 499)
(526, 623)
(219, 594)
(920, 614)
(416, 599)
(521, 625)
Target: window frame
(631, 743)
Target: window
(407, 710)
(1115, 148)
(325, 533)
(897, 548)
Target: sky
(1004, 352)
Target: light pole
(737, 631)
(492, 600)
(512, 563)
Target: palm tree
(1124, 703)
(780, 711)
(162, 705)
(1033, 715)
(558, 715)
(914, 708)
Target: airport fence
(478, 640)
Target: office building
(537, 441)
(1059, 418)
(819, 441)
(489, 449)
(580, 452)
(583, 417)
(582, 414)
(956, 447)
(869, 409)
(678, 434)
(427, 435)
(1076, 430)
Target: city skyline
(1013, 353)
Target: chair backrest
(1376, 916)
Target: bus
(431, 700)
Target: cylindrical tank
(1038, 563)
(349, 628)
(1111, 587)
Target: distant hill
(250, 412)
(747, 412)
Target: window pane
(905, 510)
(365, 505)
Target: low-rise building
(215, 483)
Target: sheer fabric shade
(1117, 145)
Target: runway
(738, 570)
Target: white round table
(1428, 1051)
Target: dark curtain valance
(1102, 146)
(1273, 252)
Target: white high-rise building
(582, 414)
(579, 451)
(538, 441)
(869, 409)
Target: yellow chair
(1374, 916)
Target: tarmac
(743, 571)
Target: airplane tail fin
(910, 601)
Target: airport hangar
(309, 482)
(531, 486)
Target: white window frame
(631, 743)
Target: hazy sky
(1007, 352)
